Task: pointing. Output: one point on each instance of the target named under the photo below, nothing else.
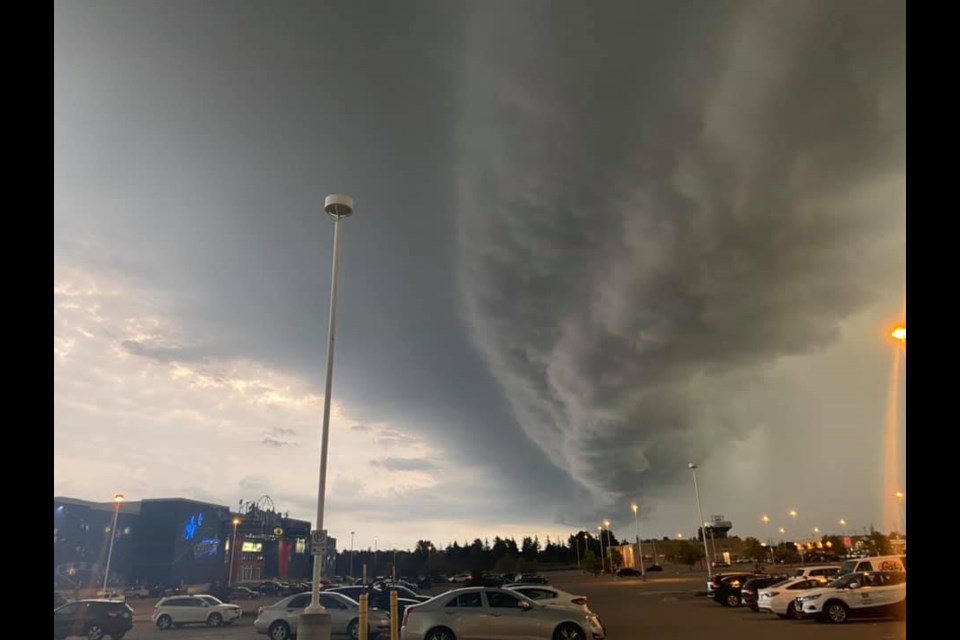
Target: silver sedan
(279, 621)
(484, 613)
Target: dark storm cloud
(404, 464)
(667, 201)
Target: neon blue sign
(193, 525)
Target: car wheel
(836, 612)
(353, 630)
(95, 632)
(215, 620)
(792, 611)
(440, 633)
(568, 631)
(732, 600)
(279, 630)
(164, 622)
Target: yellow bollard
(364, 616)
(394, 618)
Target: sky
(592, 243)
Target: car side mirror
(854, 585)
(526, 606)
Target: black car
(728, 590)
(654, 567)
(627, 572)
(92, 619)
(377, 598)
(750, 588)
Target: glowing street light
(603, 566)
(233, 551)
(636, 518)
(900, 334)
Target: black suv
(92, 619)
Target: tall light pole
(602, 558)
(606, 525)
(636, 519)
(901, 500)
(117, 501)
(376, 552)
(233, 551)
(703, 531)
(766, 526)
(394, 563)
(351, 554)
(314, 623)
(576, 540)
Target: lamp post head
(900, 334)
(635, 507)
(338, 205)
(236, 521)
(118, 498)
(691, 466)
(793, 513)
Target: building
(177, 541)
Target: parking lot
(665, 607)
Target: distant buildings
(177, 541)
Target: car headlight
(815, 596)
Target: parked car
(136, 592)
(627, 572)
(829, 571)
(874, 563)
(92, 619)
(879, 593)
(463, 612)
(728, 591)
(244, 593)
(550, 595)
(719, 579)
(654, 567)
(279, 620)
(378, 598)
(530, 578)
(781, 598)
(177, 611)
(748, 592)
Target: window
(210, 600)
(331, 602)
(865, 566)
(299, 602)
(889, 579)
(177, 602)
(539, 594)
(471, 599)
(69, 609)
(192, 602)
(501, 600)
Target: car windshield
(210, 600)
(844, 581)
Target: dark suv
(92, 619)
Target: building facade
(177, 541)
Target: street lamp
(765, 519)
(314, 624)
(117, 500)
(901, 498)
(376, 552)
(636, 519)
(900, 334)
(233, 551)
(351, 554)
(703, 533)
(603, 565)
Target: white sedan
(550, 595)
(781, 598)
(177, 611)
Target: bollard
(394, 618)
(364, 615)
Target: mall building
(178, 541)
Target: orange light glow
(900, 333)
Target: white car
(828, 571)
(482, 613)
(550, 595)
(857, 594)
(781, 598)
(177, 611)
(279, 620)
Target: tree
(879, 544)
(689, 553)
(752, 548)
(591, 561)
